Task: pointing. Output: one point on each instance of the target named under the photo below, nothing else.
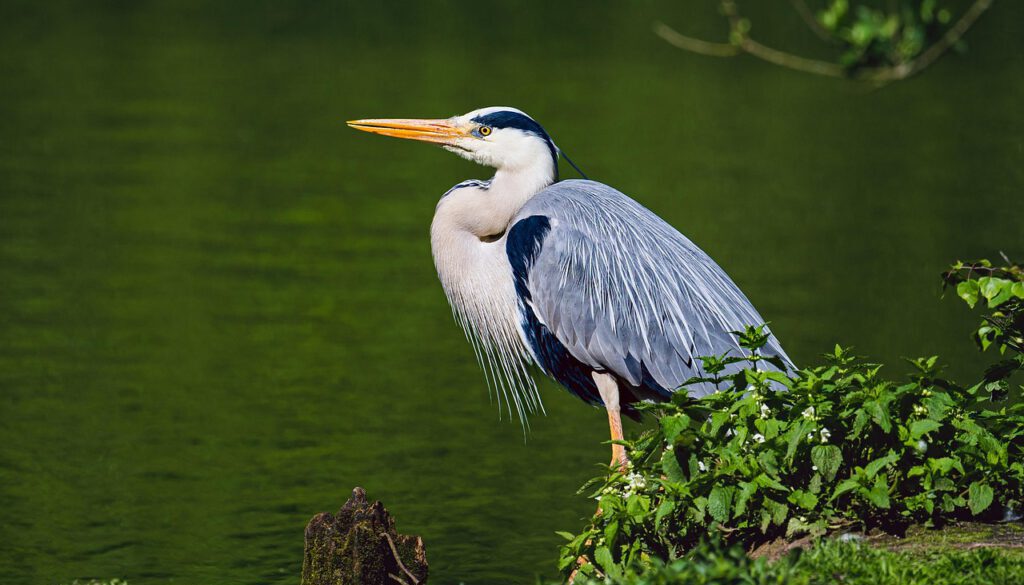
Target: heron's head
(499, 137)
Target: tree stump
(359, 546)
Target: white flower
(814, 468)
(636, 480)
(825, 434)
(809, 412)
(729, 433)
(758, 437)
(920, 410)
(765, 410)
(922, 446)
(701, 466)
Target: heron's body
(573, 277)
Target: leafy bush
(825, 449)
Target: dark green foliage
(826, 449)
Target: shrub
(831, 448)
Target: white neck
(486, 213)
(467, 239)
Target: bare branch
(791, 61)
(812, 22)
(677, 39)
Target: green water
(218, 310)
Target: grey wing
(624, 291)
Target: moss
(354, 546)
(961, 536)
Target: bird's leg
(608, 387)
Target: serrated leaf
(879, 414)
(611, 532)
(747, 489)
(670, 466)
(720, 503)
(768, 462)
(979, 497)
(672, 425)
(779, 511)
(827, 458)
(603, 558)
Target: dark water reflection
(218, 307)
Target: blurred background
(218, 309)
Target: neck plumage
(467, 239)
(485, 213)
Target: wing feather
(624, 291)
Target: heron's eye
(484, 131)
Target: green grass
(831, 562)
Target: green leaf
(827, 458)
(720, 503)
(879, 493)
(747, 489)
(671, 426)
(843, 487)
(603, 557)
(778, 510)
(992, 287)
(805, 500)
(968, 291)
(566, 535)
(666, 508)
(1017, 289)
(879, 414)
(611, 532)
(670, 466)
(979, 497)
(921, 427)
(875, 466)
(768, 462)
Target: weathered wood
(359, 546)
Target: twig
(400, 580)
(394, 551)
(791, 61)
(675, 38)
(749, 46)
(812, 23)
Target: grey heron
(572, 276)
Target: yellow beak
(436, 131)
